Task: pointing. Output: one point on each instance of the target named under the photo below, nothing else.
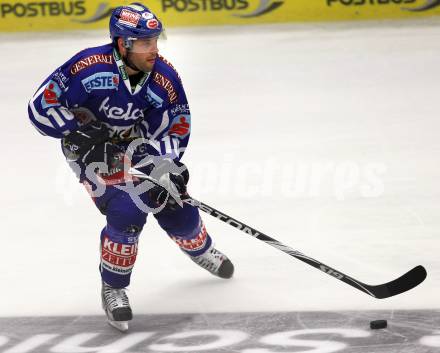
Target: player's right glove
(90, 144)
(79, 142)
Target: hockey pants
(125, 220)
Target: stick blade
(400, 285)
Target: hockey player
(97, 103)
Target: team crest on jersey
(101, 80)
(50, 95)
(180, 126)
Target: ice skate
(116, 306)
(215, 262)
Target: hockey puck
(378, 324)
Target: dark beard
(128, 62)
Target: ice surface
(324, 137)
(302, 332)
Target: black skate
(215, 262)
(116, 306)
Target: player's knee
(188, 229)
(183, 222)
(124, 215)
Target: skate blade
(119, 325)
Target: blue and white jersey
(94, 85)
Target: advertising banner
(56, 15)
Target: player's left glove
(174, 176)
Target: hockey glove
(89, 145)
(109, 154)
(79, 142)
(174, 176)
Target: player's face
(144, 53)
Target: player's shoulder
(89, 60)
(163, 67)
(167, 80)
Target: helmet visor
(147, 44)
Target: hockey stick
(400, 285)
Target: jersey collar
(124, 75)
